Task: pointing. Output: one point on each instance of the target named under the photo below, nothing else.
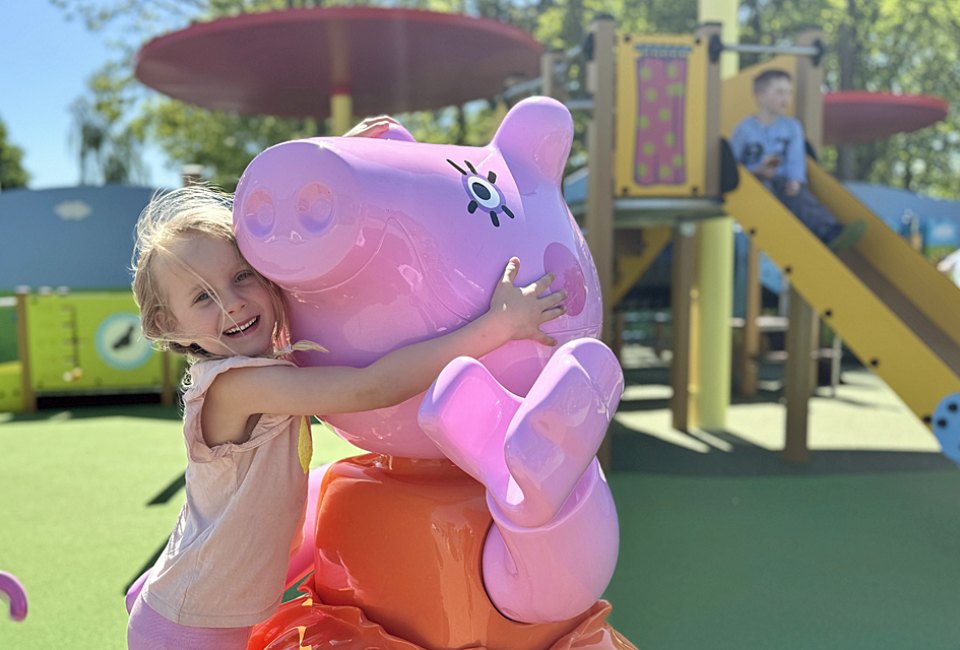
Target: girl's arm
(515, 313)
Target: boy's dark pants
(805, 206)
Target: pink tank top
(226, 561)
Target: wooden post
(799, 371)
(808, 97)
(803, 321)
(548, 63)
(750, 349)
(599, 217)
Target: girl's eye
(201, 297)
(243, 275)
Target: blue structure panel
(78, 237)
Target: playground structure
(77, 331)
(81, 344)
(326, 68)
(671, 170)
(654, 192)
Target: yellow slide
(894, 310)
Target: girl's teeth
(241, 328)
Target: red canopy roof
(854, 116)
(288, 63)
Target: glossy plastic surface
(537, 458)
(946, 426)
(393, 538)
(483, 519)
(380, 243)
(12, 591)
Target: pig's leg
(554, 545)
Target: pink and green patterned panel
(659, 155)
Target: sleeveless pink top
(226, 561)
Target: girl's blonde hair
(187, 211)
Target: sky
(45, 61)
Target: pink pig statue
(481, 518)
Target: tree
(12, 173)
(224, 143)
(108, 149)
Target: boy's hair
(765, 78)
(193, 210)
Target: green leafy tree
(223, 143)
(108, 150)
(12, 173)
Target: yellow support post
(341, 113)
(23, 351)
(715, 271)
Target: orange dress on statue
(397, 567)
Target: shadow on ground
(636, 450)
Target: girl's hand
(522, 310)
(792, 188)
(371, 127)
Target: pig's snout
(311, 214)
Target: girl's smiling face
(214, 298)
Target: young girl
(224, 566)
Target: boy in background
(772, 146)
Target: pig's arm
(553, 548)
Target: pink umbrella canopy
(289, 63)
(856, 116)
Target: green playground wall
(88, 342)
(78, 343)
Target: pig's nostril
(315, 207)
(259, 214)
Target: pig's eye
(483, 193)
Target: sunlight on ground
(865, 414)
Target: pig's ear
(535, 139)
